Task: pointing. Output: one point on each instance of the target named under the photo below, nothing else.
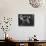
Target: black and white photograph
(26, 19)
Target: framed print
(26, 19)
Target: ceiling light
(36, 3)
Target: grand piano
(9, 42)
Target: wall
(11, 8)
